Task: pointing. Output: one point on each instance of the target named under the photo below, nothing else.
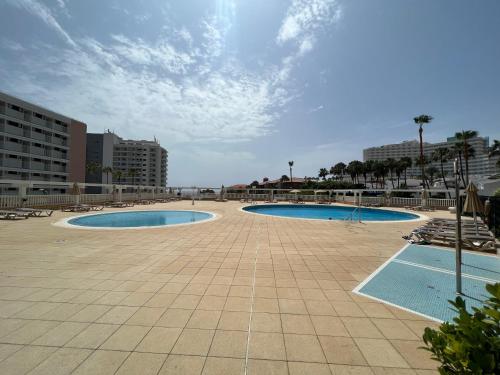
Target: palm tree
(290, 164)
(92, 167)
(463, 137)
(284, 178)
(107, 170)
(323, 172)
(420, 121)
(338, 169)
(391, 165)
(132, 172)
(117, 175)
(431, 171)
(368, 168)
(355, 168)
(406, 163)
(380, 170)
(400, 168)
(458, 151)
(422, 162)
(441, 155)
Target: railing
(441, 203)
(401, 202)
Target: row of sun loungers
(24, 213)
(82, 208)
(439, 231)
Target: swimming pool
(308, 211)
(137, 219)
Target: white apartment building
(147, 159)
(479, 165)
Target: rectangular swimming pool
(421, 279)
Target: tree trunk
(420, 131)
(406, 183)
(444, 179)
(466, 157)
(461, 169)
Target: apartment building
(37, 144)
(140, 162)
(479, 165)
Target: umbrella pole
(458, 229)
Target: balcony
(60, 128)
(39, 166)
(59, 141)
(13, 113)
(14, 130)
(39, 151)
(59, 155)
(58, 168)
(13, 163)
(39, 136)
(38, 121)
(14, 146)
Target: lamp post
(458, 230)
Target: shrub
(471, 343)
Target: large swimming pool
(139, 219)
(308, 211)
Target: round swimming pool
(138, 219)
(308, 211)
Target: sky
(234, 89)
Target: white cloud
(12, 45)
(305, 16)
(43, 13)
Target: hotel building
(147, 158)
(37, 144)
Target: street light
(458, 230)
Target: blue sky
(236, 88)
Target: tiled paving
(241, 294)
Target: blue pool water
(422, 279)
(134, 219)
(307, 211)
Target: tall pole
(420, 131)
(458, 229)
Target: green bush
(471, 344)
(497, 193)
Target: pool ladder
(351, 216)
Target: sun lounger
(120, 204)
(35, 211)
(76, 208)
(12, 214)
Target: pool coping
(379, 269)
(64, 223)
(420, 217)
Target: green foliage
(497, 193)
(471, 343)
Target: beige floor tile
(194, 342)
(185, 301)
(146, 316)
(350, 370)
(217, 290)
(90, 313)
(7, 350)
(394, 329)
(125, 338)
(238, 304)
(111, 298)
(61, 334)
(10, 325)
(240, 291)
(229, 344)
(37, 310)
(25, 359)
(161, 300)
(320, 308)
(291, 306)
(413, 354)
(29, 332)
(63, 361)
(300, 324)
(204, 319)
(182, 365)
(288, 293)
(266, 322)
(176, 318)
(117, 315)
(393, 371)
(212, 303)
(361, 327)
(264, 366)
(376, 310)
(64, 311)
(341, 350)
(223, 366)
(142, 363)
(303, 348)
(92, 336)
(304, 368)
(349, 309)
(380, 352)
(159, 340)
(266, 345)
(101, 362)
(269, 305)
(234, 321)
(329, 326)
